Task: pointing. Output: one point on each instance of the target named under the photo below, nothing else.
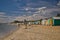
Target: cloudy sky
(28, 9)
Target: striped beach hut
(54, 21)
(50, 22)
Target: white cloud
(58, 3)
(31, 17)
(2, 13)
(39, 4)
(36, 9)
(42, 12)
(30, 8)
(4, 18)
(29, 3)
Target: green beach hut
(56, 21)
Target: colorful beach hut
(43, 22)
(50, 21)
(56, 21)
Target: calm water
(5, 29)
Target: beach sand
(35, 32)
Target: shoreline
(11, 32)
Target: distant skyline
(28, 9)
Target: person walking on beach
(25, 23)
(18, 24)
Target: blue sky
(16, 9)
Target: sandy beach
(35, 32)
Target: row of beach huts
(53, 21)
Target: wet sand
(35, 32)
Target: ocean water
(5, 29)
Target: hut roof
(56, 17)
